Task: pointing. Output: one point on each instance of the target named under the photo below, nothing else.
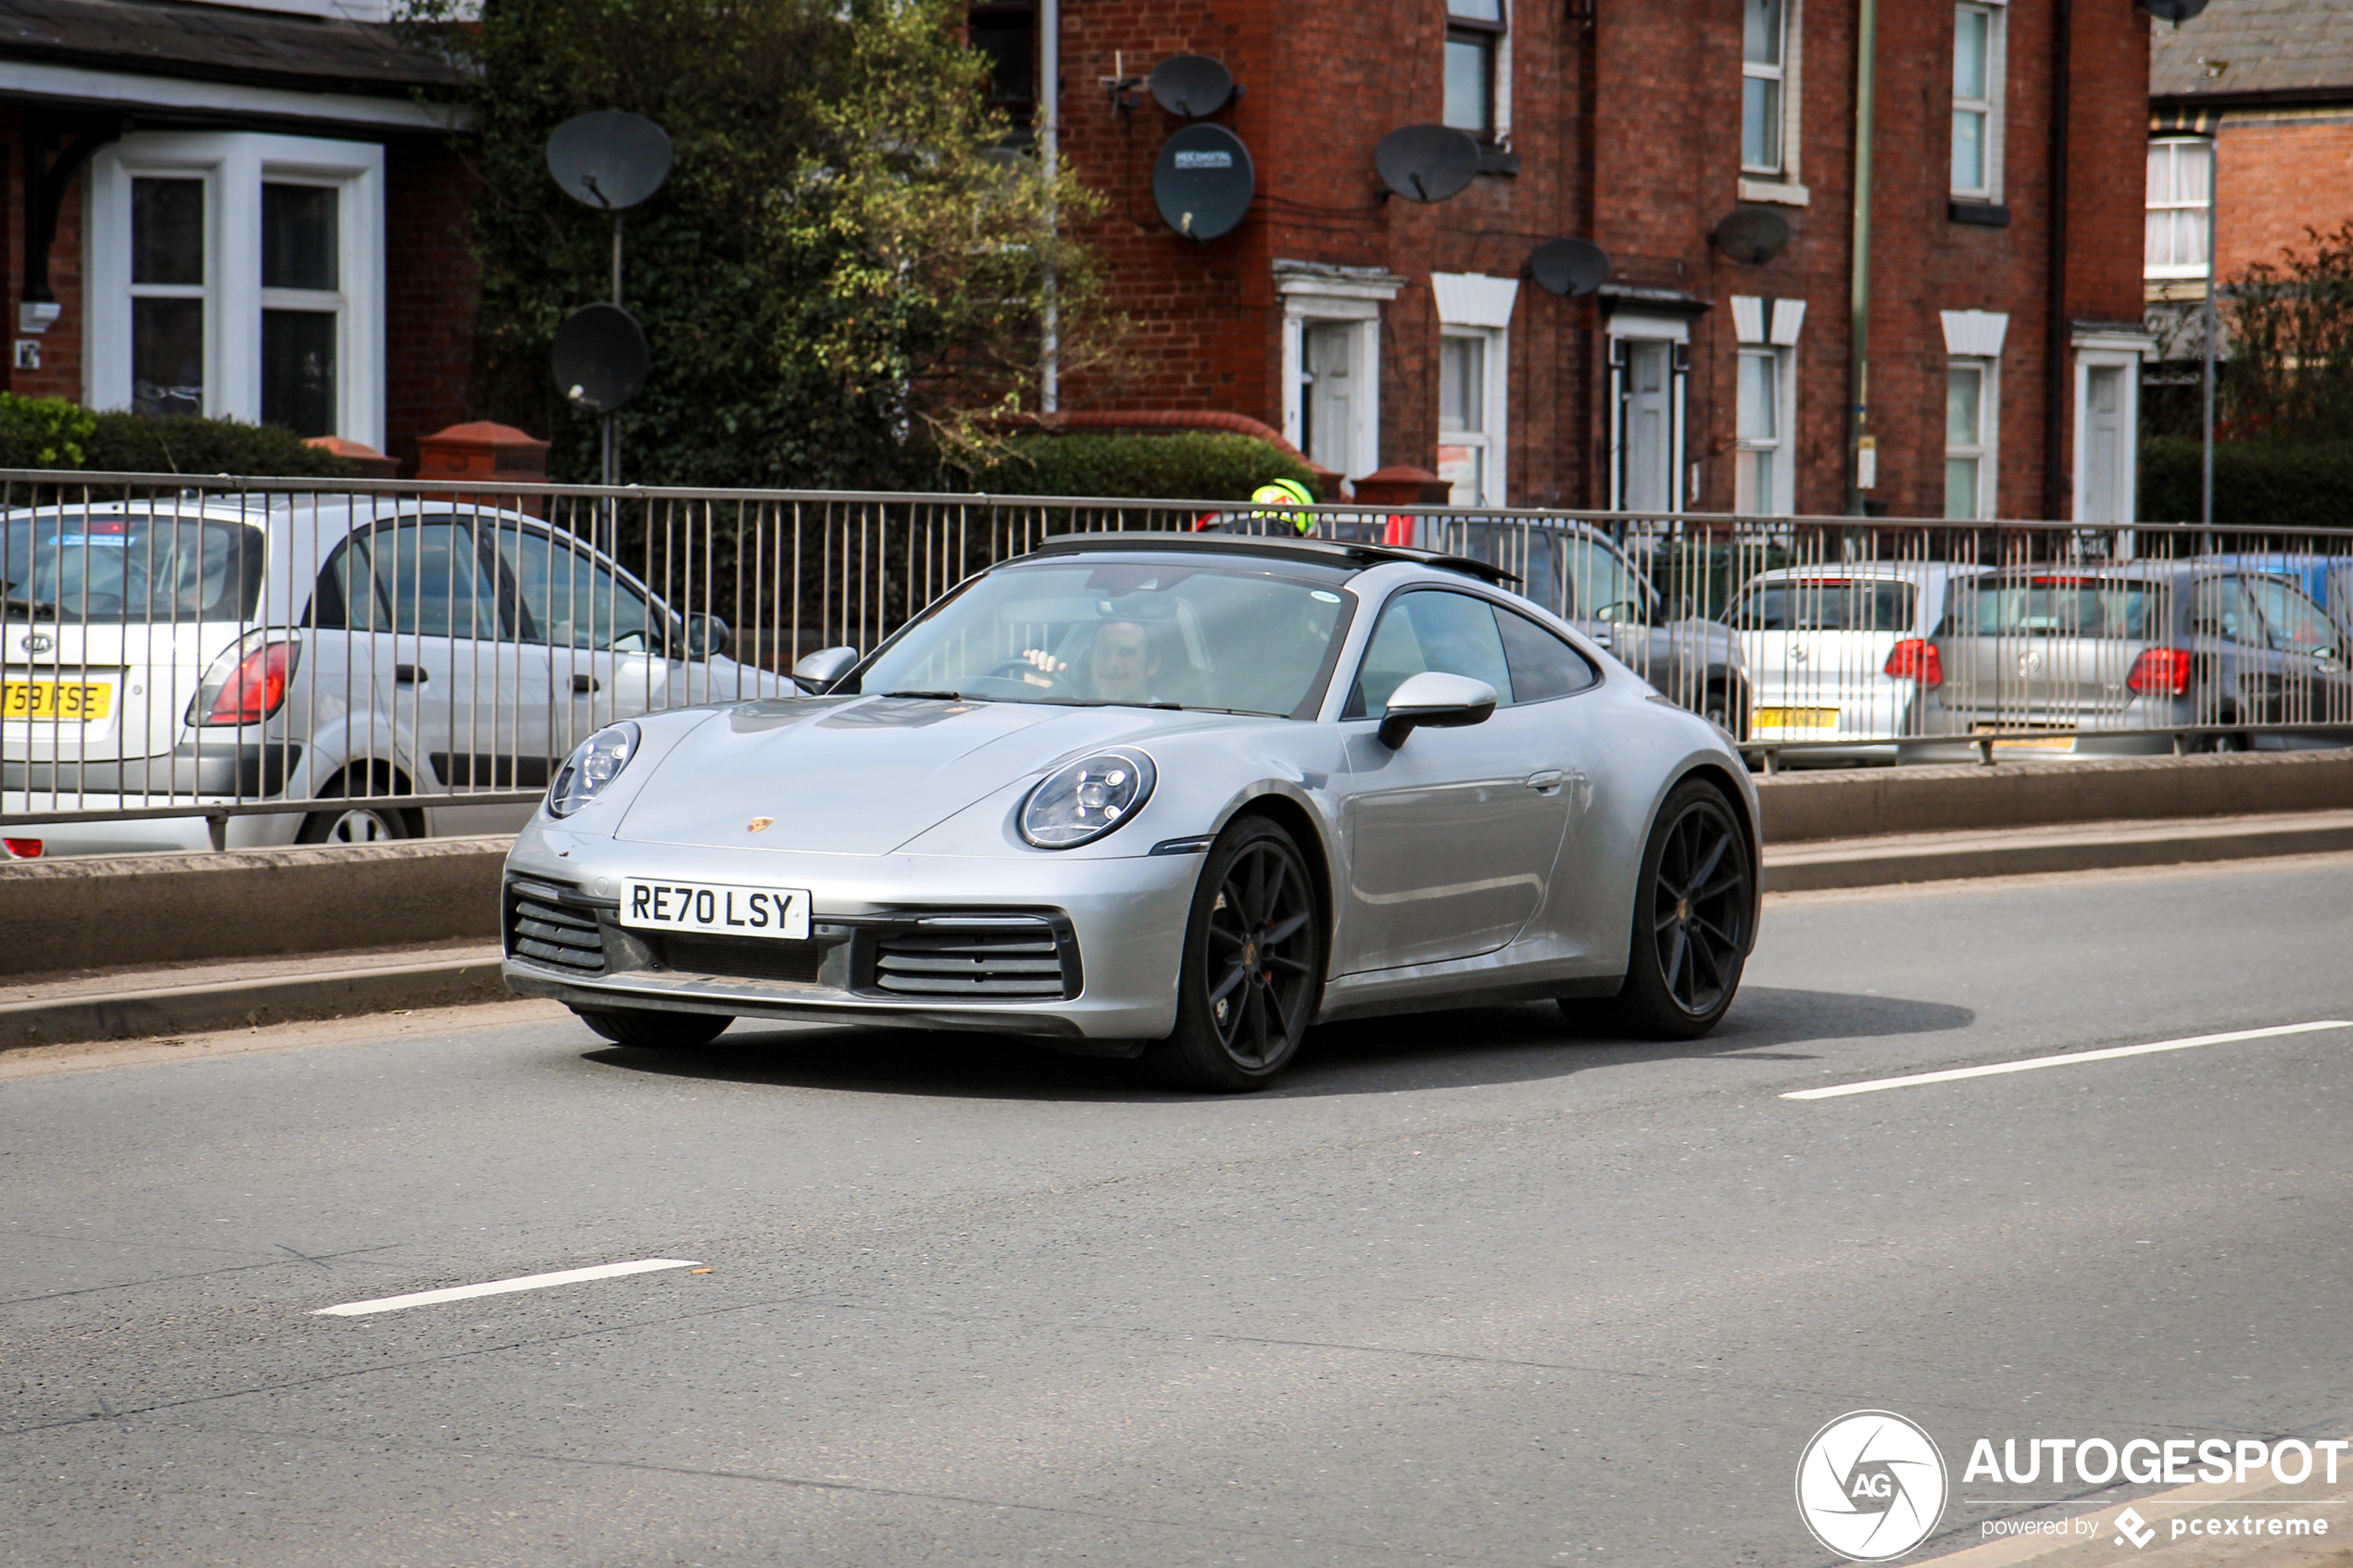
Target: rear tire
(1250, 974)
(1694, 898)
(646, 1029)
(358, 824)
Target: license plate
(717, 908)
(86, 700)
(2027, 743)
(1797, 718)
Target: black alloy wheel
(1252, 969)
(1694, 900)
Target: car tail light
(251, 689)
(2160, 673)
(23, 848)
(1915, 659)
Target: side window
(572, 598)
(1542, 665)
(1430, 628)
(2295, 623)
(2222, 610)
(348, 596)
(431, 577)
(1600, 588)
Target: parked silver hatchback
(256, 648)
(2132, 659)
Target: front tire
(647, 1029)
(1251, 973)
(1693, 900)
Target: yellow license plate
(85, 700)
(2026, 743)
(1797, 718)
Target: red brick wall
(1325, 82)
(60, 371)
(430, 295)
(2277, 176)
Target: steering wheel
(1021, 670)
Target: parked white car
(256, 648)
(1837, 650)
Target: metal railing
(364, 658)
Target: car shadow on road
(1464, 1048)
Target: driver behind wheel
(1120, 666)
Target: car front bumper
(1116, 926)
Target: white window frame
(1320, 294)
(1675, 333)
(1986, 448)
(1996, 13)
(1769, 329)
(1499, 85)
(1472, 305)
(233, 166)
(2123, 352)
(1975, 337)
(2198, 269)
(1782, 185)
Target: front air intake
(942, 958)
(545, 929)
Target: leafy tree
(841, 279)
(2289, 373)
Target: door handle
(410, 674)
(583, 685)
(1546, 783)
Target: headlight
(595, 763)
(1087, 799)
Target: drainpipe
(1050, 72)
(2056, 492)
(1859, 307)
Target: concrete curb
(1951, 857)
(189, 1010)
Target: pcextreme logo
(1871, 1486)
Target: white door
(1331, 400)
(1647, 428)
(2103, 444)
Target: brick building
(248, 212)
(2251, 145)
(1377, 330)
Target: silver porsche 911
(1177, 797)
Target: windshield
(122, 567)
(2122, 607)
(1824, 604)
(1131, 631)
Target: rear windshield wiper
(31, 606)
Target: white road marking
(501, 1286)
(2030, 1063)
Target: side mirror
(822, 667)
(707, 636)
(1436, 698)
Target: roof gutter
(1859, 304)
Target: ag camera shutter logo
(1871, 1486)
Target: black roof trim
(1318, 552)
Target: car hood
(855, 776)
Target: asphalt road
(1467, 1289)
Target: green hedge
(1182, 466)
(2282, 485)
(51, 433)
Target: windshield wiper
(939, 697)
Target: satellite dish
(1570, 267)
(609, 160)
(1203, 182)
(1752, 235)
(1427, 163)
(2174, 11)
(599, 358)
(1192, 85)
